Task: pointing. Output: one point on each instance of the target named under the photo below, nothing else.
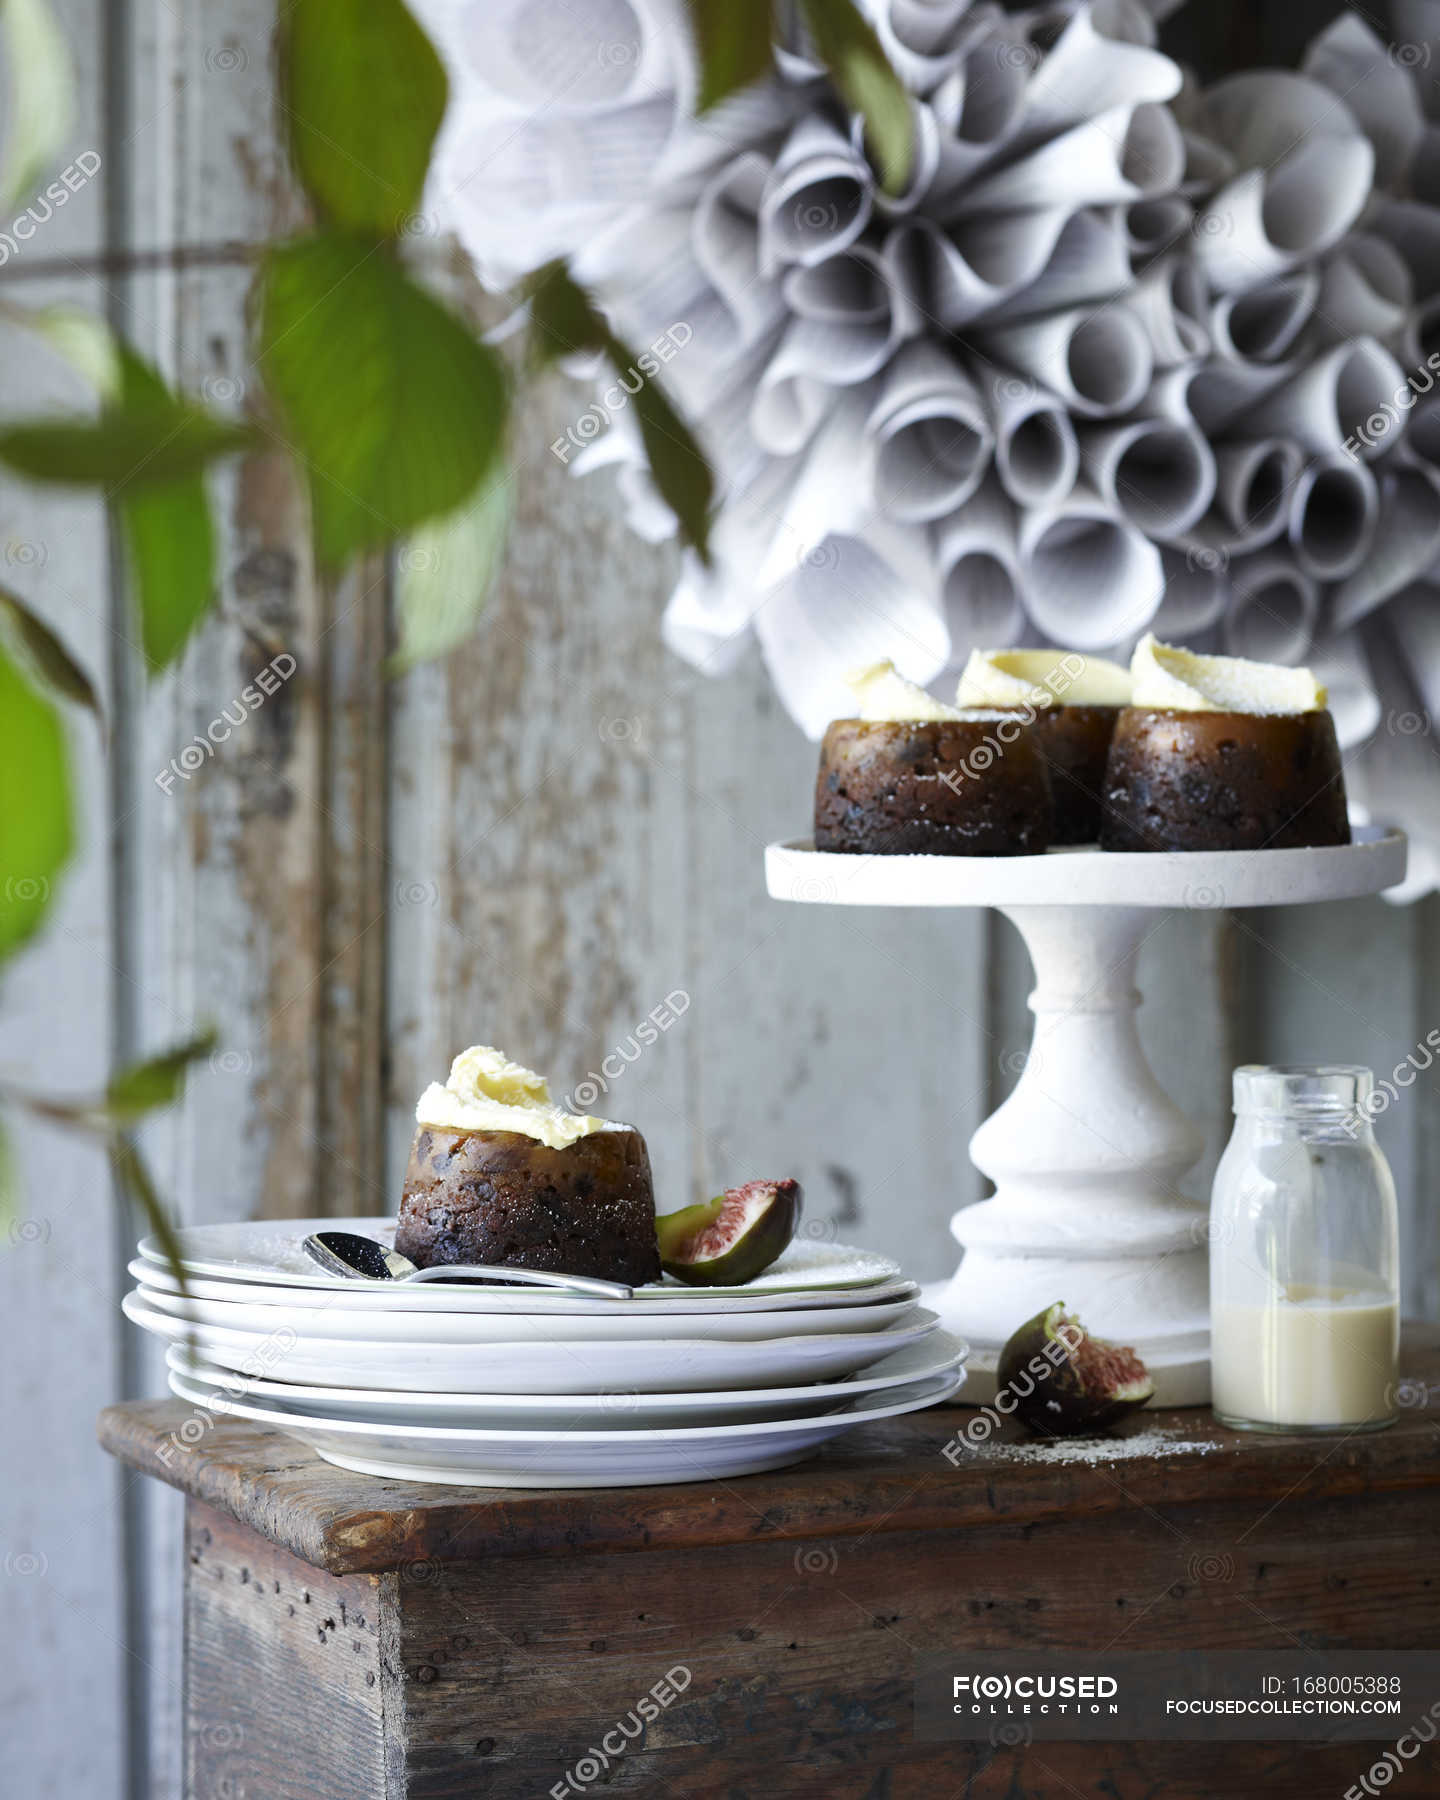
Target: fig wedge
(734, 1237)
(1064, 1381)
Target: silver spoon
(360, 1258)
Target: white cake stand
(1087, 1152)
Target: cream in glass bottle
(1304, 1281)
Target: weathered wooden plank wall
(535, 845)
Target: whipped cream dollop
(1181, 681)
(885, 697)
(488, 1092)
(1041, 678)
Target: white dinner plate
(513, 1458)
(333, 1319)
(269, 1251)
(457, 1296)
(935, 1354)
(664, 1362)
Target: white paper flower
(1125, 353)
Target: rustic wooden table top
(892, 1476)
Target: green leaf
(850, 50)
(47, 656)
(170, 554)
(364, 94)
(563, 318)
(37, 119)
(132, 1176)
(121, 449)
(445, 573)
(158, 1081)
(144, 437)
(395, 408)
(36, 811)
(732, 43)
(677, 464)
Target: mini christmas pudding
(910, 776)
(1216, 753)
(500, 1174)
(1072, 701)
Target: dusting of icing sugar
(1092, 1451)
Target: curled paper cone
(1088, 73)
(1096, 361)
(1306, 173)
(1334, 507)
(918, 37)
(1197, 591)
(932, 436)
(1090, 579)
(1255, 488)
(1422, 439)
(1157, 475)
(1393, 775)
(1123, 155)
(976, 109)
(757, 115)
(978, 559)
(1425, 167)
(850, 316)
(853, 600)
(1090, 263)
(1127, 21)
(1273, 609)
(1343, 402)
(1263, 324)
(1154, 226)
(1414, 230)
(1207, 165)
(1232, 238)
(971, 267)
(1340, 666)
(1261, 115)
(707, 618)
(1169, 301)
(725, 239)
(1365, 291)
(1213, 394)
(827, 494)
(710, 612)
(1407, 541)
(1417, 344)
(818, 198)
(1036, 455)
(924, 166)
(1376, 86)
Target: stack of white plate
(486, 1386)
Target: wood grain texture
(889, 1477)
(801, 1657)
(286, 1682)
(785, 1663)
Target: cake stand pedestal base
(1086, 1156)
(1087, 1153)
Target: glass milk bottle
(1304, 1280)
